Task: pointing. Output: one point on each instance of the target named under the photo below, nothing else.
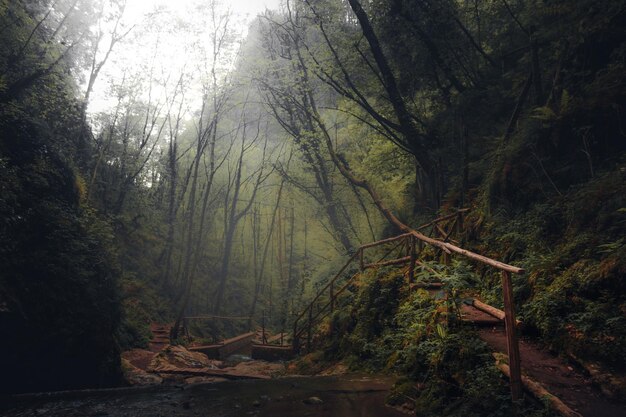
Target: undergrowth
(573, 294)
(446, 369)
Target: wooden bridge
(247, 344)
(236, 345)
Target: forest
(223, 167)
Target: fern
(544, 114)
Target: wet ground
(344, 396)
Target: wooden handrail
(383, 241)
(211, 317)
(357, 255)
(414, 235)
(325, 306)
(468, 254)
(320, 292)
(390, 262)
(446, 246)
(443, 218)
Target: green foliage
(141, 304)
(549, 198)
(58, 284)
(573, 250)
(448, 370)
(59, 269)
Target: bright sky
(174, 50)
(244, 8)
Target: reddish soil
(557, 376)
(160, 336)
(141, 358)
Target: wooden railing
(444, 227)
(323, 304)
(413, 240)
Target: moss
(445, 369)
(573, 250)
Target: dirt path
(345, 396)
(141, 358)
(160, 336)
(560, 379)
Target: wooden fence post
(361, 262)
(413, 259)
(332, 307)
(310, 330)
(295, 343)
(511, 337)
(263, 338)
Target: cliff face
(58, 280)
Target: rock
(337, 369)
(139, 358)
(203, 379)
(136, 376)
(259, 369)
(174, 357)
(256, 403)
(313, 401)
(99, 411)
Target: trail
(250, 390)
(560, 378)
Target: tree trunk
(429, 189)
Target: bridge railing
(323, 304)
(440, 237)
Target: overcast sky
(137, 53)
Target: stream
(348, 395)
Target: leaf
(441, 331)
(545, 114)
(565, 101)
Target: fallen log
(388, 263)
(222, 373)
(482, 322)
(538, 391)
(428, 285)
(492, 311)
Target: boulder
(178, 357)
(136, 376)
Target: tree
(288, 97)
(232, 215)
